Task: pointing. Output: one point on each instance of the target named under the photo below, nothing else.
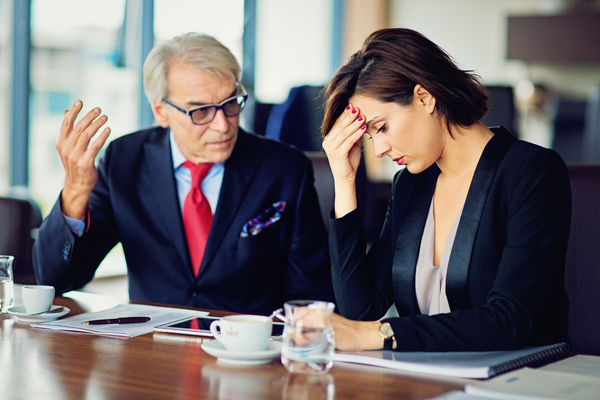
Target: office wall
(293, 46)
(474, 32)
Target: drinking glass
(308, 342)
(7, 294)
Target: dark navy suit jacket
(135, 202)
(505, 278)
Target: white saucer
(216, 349)
(21, 315)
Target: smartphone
(200, 326)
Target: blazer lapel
(240, 169)
(161, 181)
(460, 257)
(411, 212)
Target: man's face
(191, 88)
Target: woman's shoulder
(523, 154)
(519, 151)
(527, 166)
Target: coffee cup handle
(213, 330)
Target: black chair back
(582, 272)
(323, 183)
(502, 108)
(19, 219)
(297, 121)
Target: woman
(473, 247)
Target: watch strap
(388, 344)
(387, 334)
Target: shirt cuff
(76, 225)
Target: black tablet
(200, 326)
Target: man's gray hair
(198, 50)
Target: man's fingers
(69, 119)
(98, 143)
(87, 119)
(82, 140)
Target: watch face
(386, 330)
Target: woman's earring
(429, 109)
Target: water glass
(308, 343)
(7, 294)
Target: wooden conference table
(43, 364)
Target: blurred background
(539, 59)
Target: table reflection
(308, 387)
(227, 382)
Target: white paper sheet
(158, 316)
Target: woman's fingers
(348, 123)
(346, 131)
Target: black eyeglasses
(205, 114)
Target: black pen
(121, 320)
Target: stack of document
(157, 315)
(481, 364)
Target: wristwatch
(387, 334)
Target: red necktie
(197, 216)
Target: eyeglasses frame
(220, 106)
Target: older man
(208, 215)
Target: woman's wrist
(372, 340)
(345, 199)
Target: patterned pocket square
(268, 217)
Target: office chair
(502, 108)
(582, 270)
(20, 217)
(591, 132)
(298, 120)
(569, 121)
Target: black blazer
(505, 281)
(135, 202)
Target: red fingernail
(348, 107)
(360, 118)
(363, 127)
(354, 111)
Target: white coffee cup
(243, 332)
(37, 299)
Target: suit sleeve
(63, 259)
(362, 281)
(308, 272)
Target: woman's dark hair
(389, 66)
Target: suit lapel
(159, 174)
(460, 257)
(240, 169)
(413, 206)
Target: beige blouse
(430, 281)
